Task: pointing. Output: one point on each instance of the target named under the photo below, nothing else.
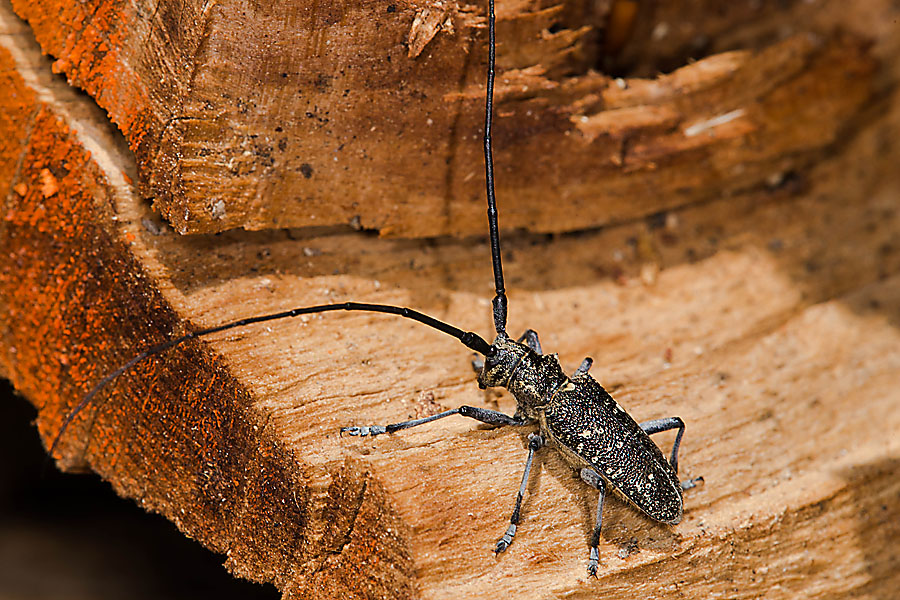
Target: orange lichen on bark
(89, 51)
(75, 303)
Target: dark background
(70, 536)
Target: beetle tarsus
(593, 561)
(688, 484)
(504, 542)
(370, 430)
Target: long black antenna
(499, 303)
(470, 339)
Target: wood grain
(768, 320)
(243, 116)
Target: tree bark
(767, 319)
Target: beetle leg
(491, 417)
(531, 340)
(584, 367)
(535, 442)
(593, 479)
(658, 425)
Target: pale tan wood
(768, 321)
(244, 115)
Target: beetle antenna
(469, 339)
(499, 303)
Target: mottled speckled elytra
(574, 414)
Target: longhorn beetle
(574, 414)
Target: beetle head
(501, 362)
